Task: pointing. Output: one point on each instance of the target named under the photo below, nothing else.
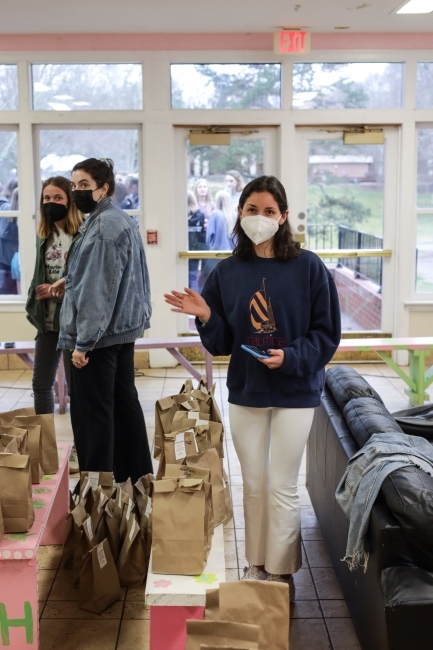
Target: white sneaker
(273, 577)
(254, 573)
(73, 461)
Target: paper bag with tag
(99, 582)
(85, 542)
(108, 528)
(16, 493)
(72, 534)
(132, 562)
(220, 634)
(210, 460)
(177, 445)
(179, 529)
(165, 409)
(50, 456)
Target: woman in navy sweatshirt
(272, 295)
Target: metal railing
(368, 268)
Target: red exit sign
(292, 41)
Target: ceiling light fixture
(416, 7)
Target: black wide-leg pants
(107, 418)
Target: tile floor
(320, 620)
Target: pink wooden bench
(418, 378)
(26, 349)
(19, 617)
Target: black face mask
(55, 211)
(84, 200)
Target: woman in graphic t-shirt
(58, 229)
(274, 296)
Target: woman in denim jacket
(105, 309)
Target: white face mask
(259, 228)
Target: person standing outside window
(57, 231)
(106, 307)
(274, 296)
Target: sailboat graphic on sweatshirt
(262, 316)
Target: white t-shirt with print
(56, 253)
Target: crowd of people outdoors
(9, 260)
(211, 222)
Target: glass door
(210, 182)
(348, 193)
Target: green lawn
(370, 199)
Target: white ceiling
(169, 16)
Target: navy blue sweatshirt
(266, 303)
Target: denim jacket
(107, 299)
(367, 469)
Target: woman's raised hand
(189, 302)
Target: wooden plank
(403, 343)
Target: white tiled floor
(320, 619)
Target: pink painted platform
(19, 616)
(173, 599)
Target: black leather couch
(391, 604)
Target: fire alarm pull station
(152, 236)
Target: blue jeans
(46, 362)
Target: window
(226, 85)
(424, 219)
(89, 86)
(61, 149)
(9, 204)
(8, 88)
(424, 85)
(347, 85)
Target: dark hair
(100, 169)
(284, 244)
(238, 178)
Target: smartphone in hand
(256, 352)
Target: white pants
(270, 443)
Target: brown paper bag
(86, 494)
(7, 417)
(99, 582)
(8, 444)
(143, 488)
(212, 605)
(102, 479)
(99, 501)
(2, 527)
(72, 535)
(209, 459)
(50, 456)
(82, 547)
(16, 493)
(128, 511)
(20, 435)
(179, 537)
(35, 452)
(165, 409)
(185, 471)
(132, 563)
(177, 445)
(128, 488)
(117, 499)
(108, 529)
(221, 633)
(257, 600)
